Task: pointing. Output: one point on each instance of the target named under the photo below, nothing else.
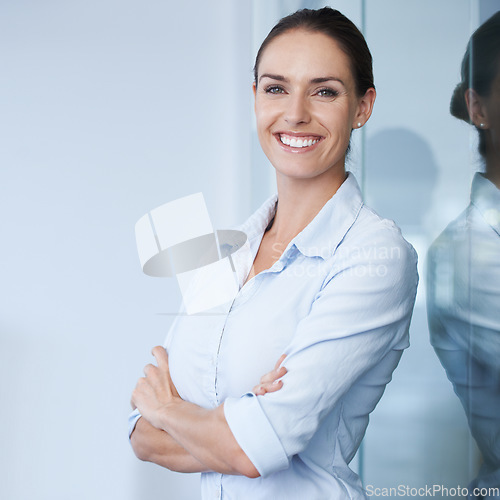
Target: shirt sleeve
(132, 421)
(362, 312)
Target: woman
(464, 266)
(323, 280)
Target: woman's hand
(156, 390)
(270, 381)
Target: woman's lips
(297, 142)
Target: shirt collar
(485, 196)
(257, 223)
(323, 234)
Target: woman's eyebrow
(322, 79)
(327, 79)
(273, 77)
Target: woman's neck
(299, 201)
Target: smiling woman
(306, 103)
(324, 283)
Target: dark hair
(480, 67)
(332, 23)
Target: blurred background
(111, 108)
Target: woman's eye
(327, 93)
(274, 89)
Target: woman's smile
(297, 143)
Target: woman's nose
(297, 110)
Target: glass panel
(418, 170)
(463, 264)
(417, 173)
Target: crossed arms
(184, 437)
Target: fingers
(274, 375)
(148, 369)
(261, 389)
(159, 376)
(271, 377)
(282, 358)
(155, 390)
(270, 381)
(258, 390)
(161, 357)
(137, 392)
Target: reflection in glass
(464, 264)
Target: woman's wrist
(166, 413)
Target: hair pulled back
(332, 23)
(480, 67)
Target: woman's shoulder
(373, 231)
(374, 247)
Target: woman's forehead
(305, 53)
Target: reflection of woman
(325, 281)
(464, 263)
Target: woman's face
(306, 105)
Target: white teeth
(297, 143)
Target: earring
(359, 124)
(481, 125)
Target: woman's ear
(477, 109)
(365, 108)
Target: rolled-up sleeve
(132, 421)
(362, 313)
(240, 412)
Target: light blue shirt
(338, 302)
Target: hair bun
(458, 105)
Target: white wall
(108, 109)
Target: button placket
(215, 358)
(211, 367)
